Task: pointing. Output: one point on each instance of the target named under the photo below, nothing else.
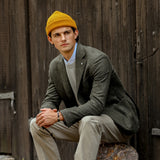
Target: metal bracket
(9, 95)
(155, 131)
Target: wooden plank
(119, 39)
(118, 31)
(153, 50)
(19, 48)
(4, 45)
(143, 83)
(5, 127)
(89, 21)
(5, 83)
(148, 32)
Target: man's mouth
(64, 44)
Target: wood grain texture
(127, 30)
(14, 76)
(148, 59)
(5, 127)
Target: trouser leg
(45, 145)
(90, 131)
(93, 130)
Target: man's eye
(56, 35)
(67, 32)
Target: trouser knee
(33, 127)
(89, 123)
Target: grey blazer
(99, 90)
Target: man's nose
(63, 37)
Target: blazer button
(81, 63)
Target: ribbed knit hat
(59, 19)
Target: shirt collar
(73, 57)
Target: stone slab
(117, 152)
(5, 157)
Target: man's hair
(77, 39)
(49, 34)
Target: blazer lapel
(80, 65)
(64, 77)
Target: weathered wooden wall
(127, 30)
(148, 75)
(14, 77)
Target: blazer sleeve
(52, 99)
(100, 71)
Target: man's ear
(76, 33)
(50, 40)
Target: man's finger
(41, 122)
(45, 109)
(55, 110)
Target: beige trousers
(88, 132)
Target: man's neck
(68, 55)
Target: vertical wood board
(19, 48)
(5, 127)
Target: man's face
(63, 39)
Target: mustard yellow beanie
(59, 19)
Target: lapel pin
(81, 63)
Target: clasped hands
(46, 117)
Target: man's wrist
(59, 116)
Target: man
(97, 106)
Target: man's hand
(47, 117)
